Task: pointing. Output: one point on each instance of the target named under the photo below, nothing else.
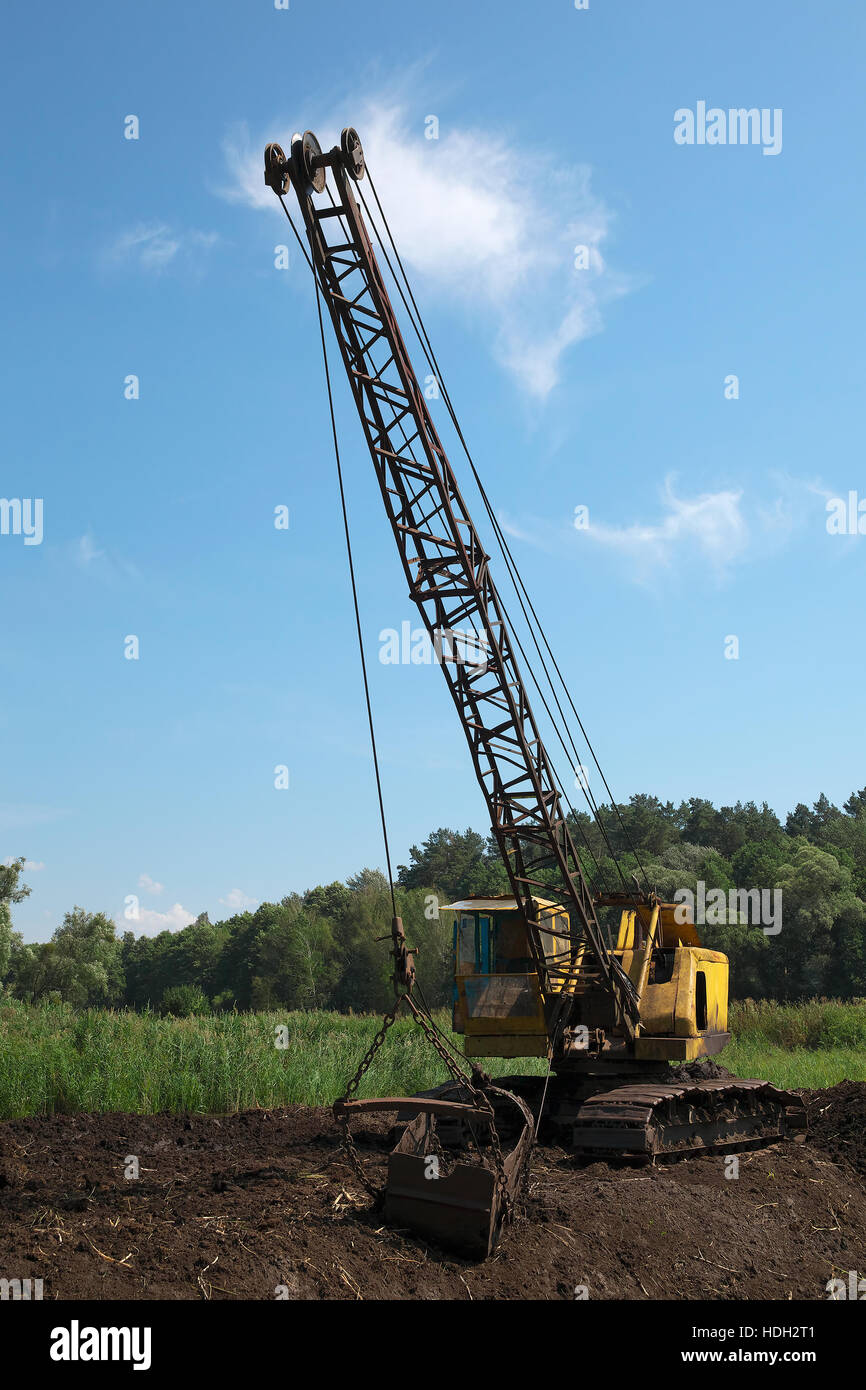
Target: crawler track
(650, 1121)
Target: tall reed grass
(53, 1058)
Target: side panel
(686, 1017)
(502, 1003)
(506, 1045)
(712, 995)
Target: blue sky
(602, 387)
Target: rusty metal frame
(447, 570)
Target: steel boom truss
(447, 571)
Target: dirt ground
(239, 1206)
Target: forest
(317, 949)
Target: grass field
(813, 1044)
(54, 1059)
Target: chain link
(377, 1193)
(477, 1084)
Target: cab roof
(504, 902)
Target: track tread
(634, 1120)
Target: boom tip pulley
(306, 166)
(352, 152)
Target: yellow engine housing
(684, 1014)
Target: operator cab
(496, 999)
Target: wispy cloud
(710, 526)
(150, 885)
(154, 246)
(31, 866)
(794, 504)
(705, 533)
(238, 901)
(107, 565)
(86, 551)
(717, 529)
(483, 219)
(712, 523)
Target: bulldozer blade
(463, 1209)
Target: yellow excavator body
(497, 1001)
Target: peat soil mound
(704, 1069)
(263, 1204)
(837, 1122)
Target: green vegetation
(814, 1044)
(816, 1023)
(798, 1069)
(55, 1058)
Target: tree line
(319, 950)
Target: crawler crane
(535, 973)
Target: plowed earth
(264, 1204)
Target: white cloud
(86, 551)
(238, 901)
(490, 222)
(153, 246)
(150, 922)
(149, 885)
(794, 505)
(716, 529)
(105, 565)
(31, 866)
(712, 523)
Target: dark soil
(837, 1122)
(705, 1069)
(238, 1206)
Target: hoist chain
(351, 1091)
(478, 1087)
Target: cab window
(512, 947)
(467, 941)
(485, 942)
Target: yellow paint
(683, 988)
(507, 1045)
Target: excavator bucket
(463, 1209)
(459, 1196)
